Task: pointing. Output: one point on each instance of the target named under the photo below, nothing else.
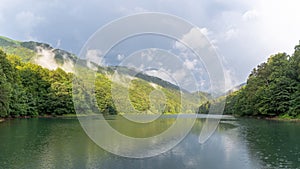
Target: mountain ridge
(39, 53)
(45, 55)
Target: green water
(62, 144)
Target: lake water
(62, 143)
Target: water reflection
(61, 143)
(275, 143)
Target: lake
(236, 144)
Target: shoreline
(75, 116)
(276, 119)
(42, 116)
(283, 119)
(58, 116)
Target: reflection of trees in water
(275, 143)
(141, 130)
(223, 126)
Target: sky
(244, 33)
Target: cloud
(250, 15)
(205, 31)
(148, 55)
(120, 57)
(231, 33)
(190, 64)
(179, 76)
(230, 79)
(95, 56)
(196, 38)
(163, 74)
(279, 30)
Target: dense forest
(27, 89)
(272, 90)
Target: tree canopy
(30, 90)
(272, 89)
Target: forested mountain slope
(29, 87)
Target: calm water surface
(62, 144)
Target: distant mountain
(48, 57)
(144, 76)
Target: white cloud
(179, 46)
(279, 24)
(250, 15)
(120, 57)
(161, 73)
(205, 31)
(46, 59)
(95, 56)
(179, 75)
(190, 64)
(231, 33)
(196, 38)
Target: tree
(272, 89)
(4, 94)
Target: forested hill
(29, 88)
(39, 53)
(50, 58)
(272, 89)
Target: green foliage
(28, 51)
(30, 90)
(4, 41)
(204, 108)
(272, 89)
(60, 92)
(11, 88)
(103, 95)
(139, 92)
(4, 94)
(138, 98)
(26, 54)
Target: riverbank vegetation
(272, 90)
